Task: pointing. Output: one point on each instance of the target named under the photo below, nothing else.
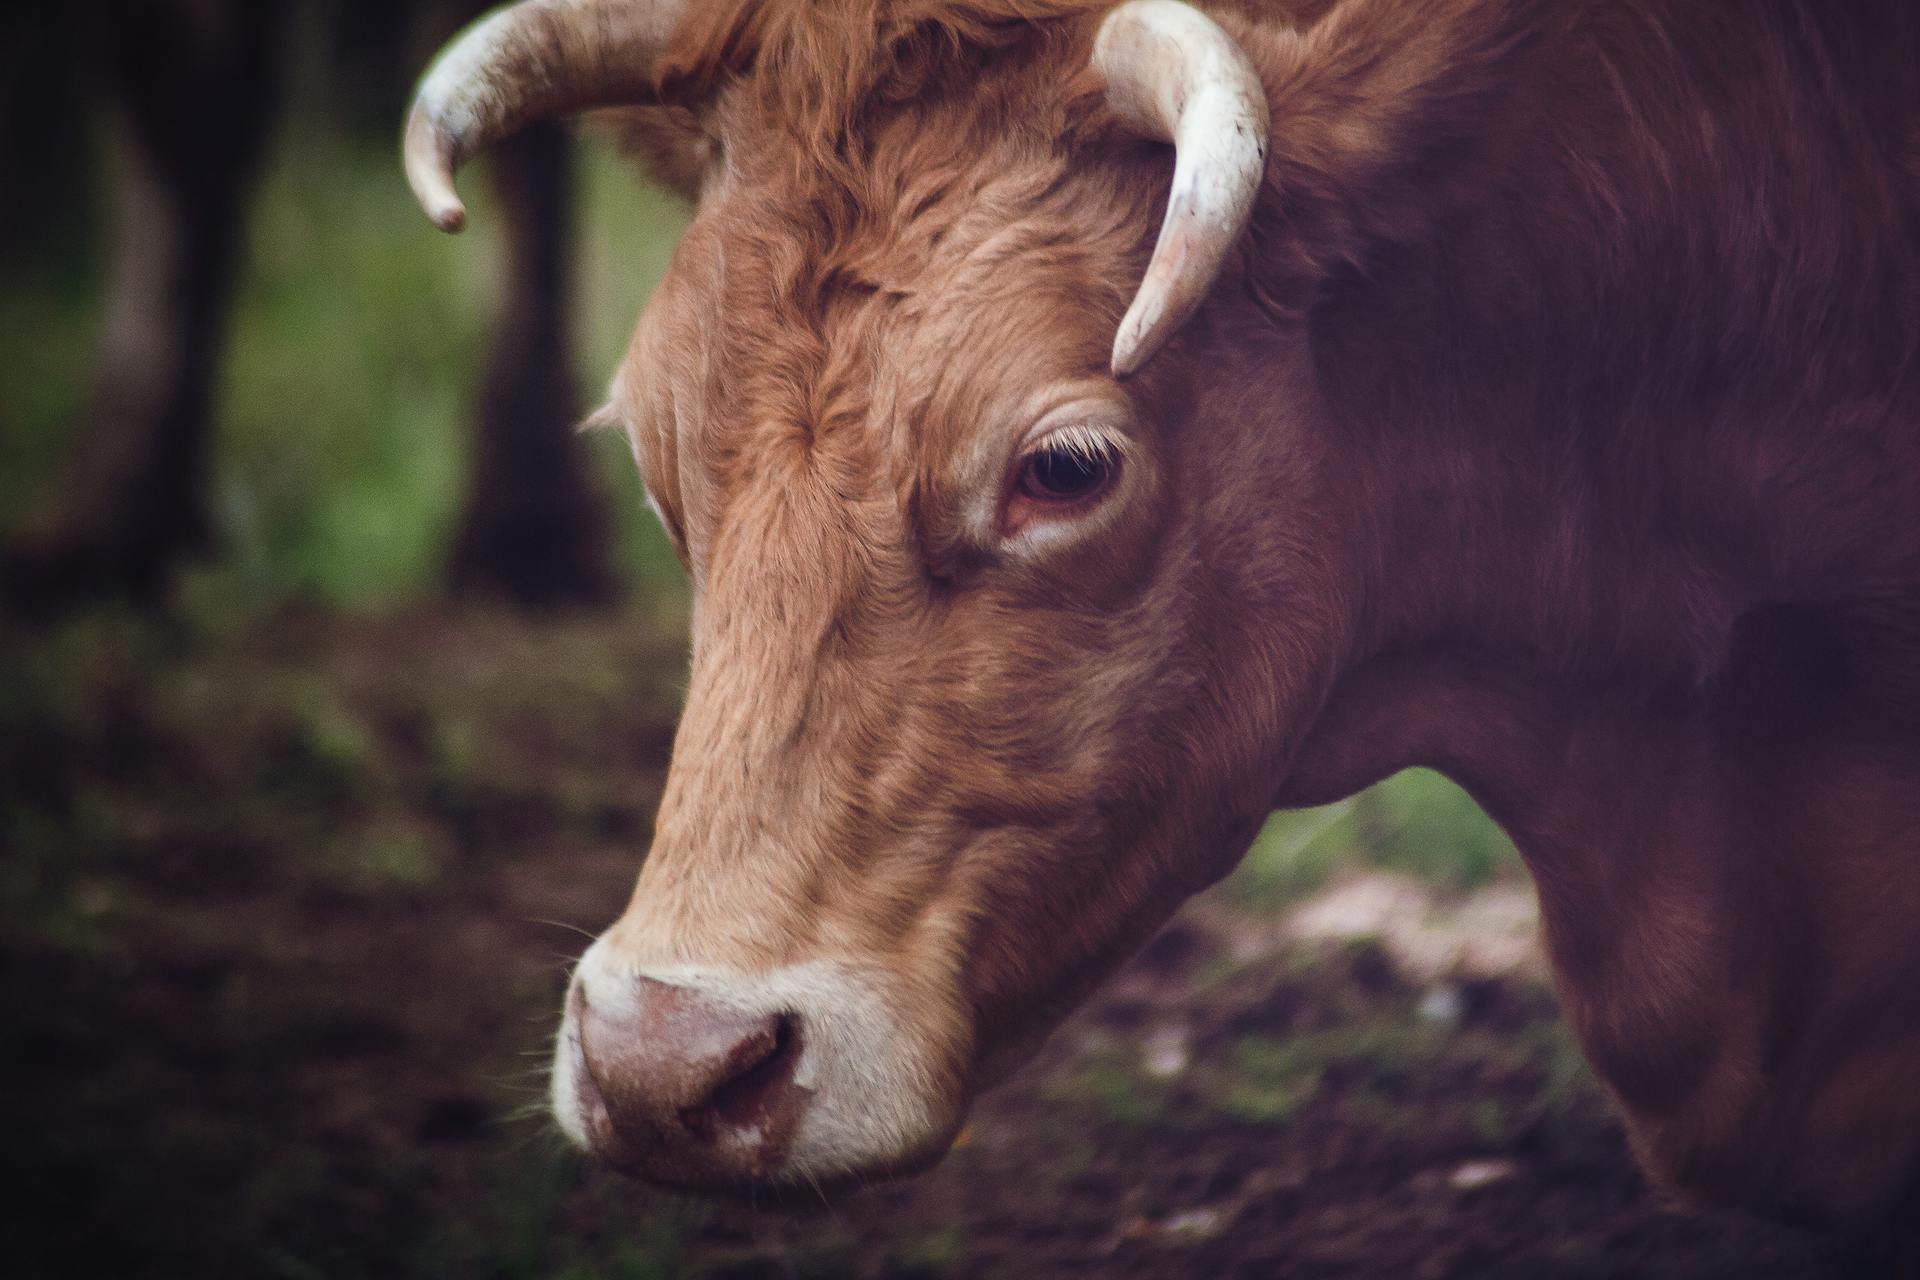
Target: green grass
(1111, 1083)
(1420, 823)
(356, 343)
(355, 307)
(1272, 1081)
(1415, 822)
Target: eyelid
(1096, 425)
(1093, 418)
(1081, 438)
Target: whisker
(561, 924)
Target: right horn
(1173, 74)
(527, 62)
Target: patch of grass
(344, 402)
(1111, 1082)
(1395, 1075)
(1387, 1051)
(394, 855)
(1294, 854)
(1270, 1081)
(453, 758)
(359, 338)
(1569, 1081)
(329, 752)
(1420, 823)
(1416, 822)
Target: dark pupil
(1066, 473)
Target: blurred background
(337, 680)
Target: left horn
(1173, 74)
(527, 62)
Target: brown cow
(1525, 388)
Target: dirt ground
(288, 911)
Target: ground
(288, 909)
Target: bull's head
(991, 665)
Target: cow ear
(670, 142)
(715, 43)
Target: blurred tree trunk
(534, 531)
(191, 86)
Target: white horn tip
(449, 216)
(430, 156)
(1129, 348)
(1173, 74)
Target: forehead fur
(820, 63)
(899, 226)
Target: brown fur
(1558, 425)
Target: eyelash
(1066, 473)
(1070, 466)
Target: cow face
(986, 676)
(970, 709)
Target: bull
(1526, 390)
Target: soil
(288, 914)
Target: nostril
(754, 1091)
(676, 1078)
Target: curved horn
(1173, 74)
(521, 63)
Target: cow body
(1632, 429)
(1554, 423)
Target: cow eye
(1067, 470)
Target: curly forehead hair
(877, 140)
(824, 60)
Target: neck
(1709, 778)
(1652, 599)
